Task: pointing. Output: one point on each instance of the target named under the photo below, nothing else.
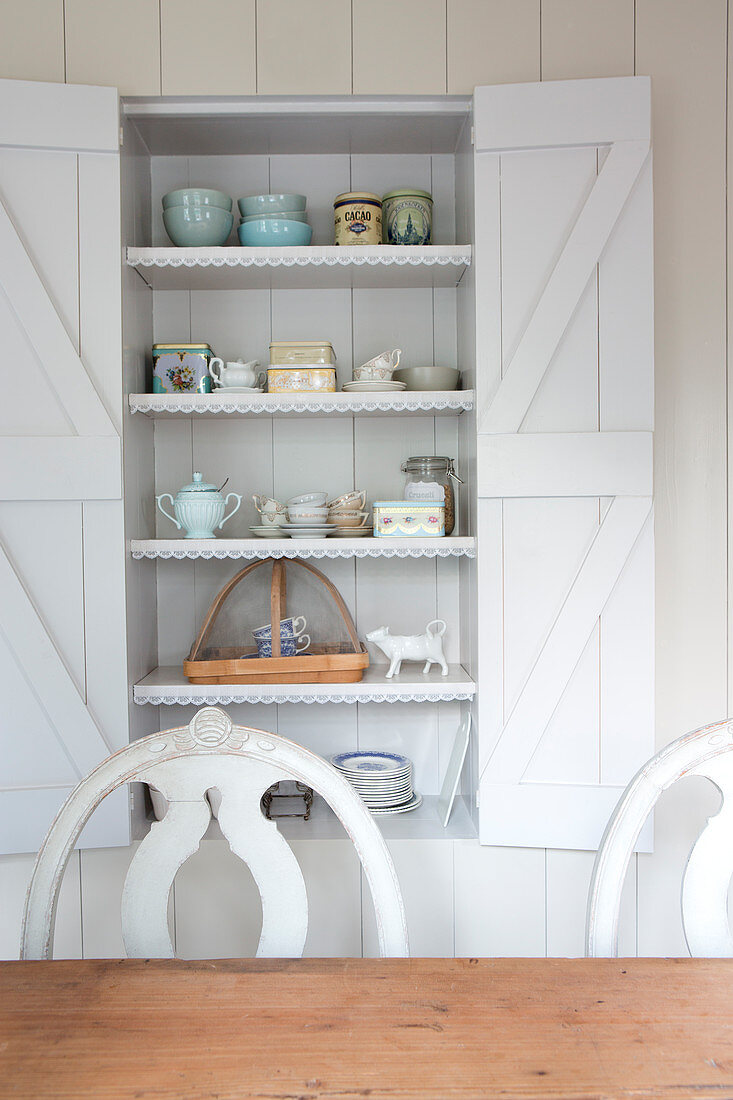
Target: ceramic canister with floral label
(407, 217)
(357, 218)
(181, 368)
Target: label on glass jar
(424, 490)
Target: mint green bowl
(287, 215)
(251, 205)
(197, 196)
(273, 232)
(197, 226)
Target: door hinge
(122, 137)
(473, 136)
(478, 799)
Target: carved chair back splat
(183, 763)
(706, 752)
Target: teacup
(238, 374)
(289, 647)
(272, 511)
(368, 373)
(348, 501)
(385, 361)
(289, 628)
(292, 639)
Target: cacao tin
(357, 218)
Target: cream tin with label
(357, 218)
(295, 353)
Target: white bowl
(313, 510)
(309, 519)
(308, 498)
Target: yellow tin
(313, 379)
(357, 218)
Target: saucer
(221, 390)
(266, 532)
(373, 387)
(310, 533)
(293, 528)
(352, 532)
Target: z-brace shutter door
(63, 675)
(563, 266)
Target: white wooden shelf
(206, 405)
(448, 547)
(168, 686)
(316, 267)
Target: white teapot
(240, 374)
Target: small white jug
(236, 374)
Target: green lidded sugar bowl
(199, 508)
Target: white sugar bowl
(199, 508)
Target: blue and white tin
(408, 519)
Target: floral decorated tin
(407, 217)
(181, 368)
(406, 518)
(311, 379)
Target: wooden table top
(416, 1028)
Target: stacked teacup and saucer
(272, 515)
(292, 639)
(375, 376)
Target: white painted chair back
(706, 752)
(183, 764)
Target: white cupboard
(538, 287)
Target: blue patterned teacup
(292, 639)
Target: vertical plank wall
(491, 901)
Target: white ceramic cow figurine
(427, 647)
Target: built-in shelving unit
(204, 405)
(316, 267)
(168, 686)
(365, 299)
(183, 549)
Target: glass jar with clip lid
(430, 478)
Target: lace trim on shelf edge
(459, 694)
(334, 551)
(415, 405)
(301, 261)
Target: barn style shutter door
(564, 292)
(63, 677)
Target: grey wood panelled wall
(176, 47)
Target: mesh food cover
(277, 621)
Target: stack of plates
(374, 387)
(383, 779)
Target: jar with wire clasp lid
(430, 478)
